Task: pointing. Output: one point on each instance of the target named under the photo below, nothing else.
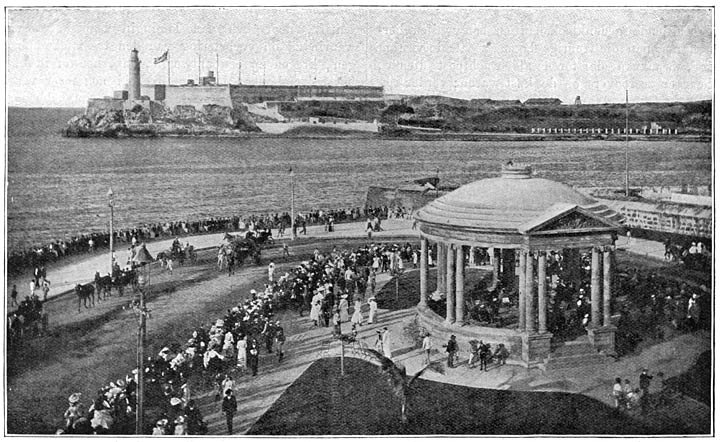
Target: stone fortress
(261, 102)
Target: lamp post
(142, 258)
(111, 203)
(292, 204)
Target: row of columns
(533, 296)
(532, 285)
(585, 130)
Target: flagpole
(168, 62)
(627, 146)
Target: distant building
(209, 79)
(503, 103)
(543, 102)
(480, 102)
(577, 101)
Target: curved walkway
(63, 276)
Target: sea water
(58, 186)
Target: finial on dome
(516, 171)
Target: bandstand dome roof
(514, 203)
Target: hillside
(454, 115)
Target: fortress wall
(251, 94)
(260, 93)
(665, 217)
(197, 96)
(156, 92)
(96, 105)
(342, 92)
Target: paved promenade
(64, 276)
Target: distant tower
(577, 101)
(134, 83)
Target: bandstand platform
(523, 222)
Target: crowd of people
(647, 394)
(232, 345)
(41, 254)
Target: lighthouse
(134, 81)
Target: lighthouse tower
(134, 81)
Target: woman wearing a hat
(343, 307)
(242, 353)
(160, 428)
(373, 309)
(357, 318)
(74, 412)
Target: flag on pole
(161, 58)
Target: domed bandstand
(521, 219)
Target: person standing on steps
(229, 407)
(451, 348)
(427, 347)
(280, 338)
(253, 355)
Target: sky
(60, 57)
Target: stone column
(441, 269)
(460, 284)
(521, 289)
(496, 267)
(595, 289)
(450, 285)
(509, 271)
(471, 256)
(542, 307)
(607, 286)
(423, 271)
(530, 293)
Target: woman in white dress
(343, 307)
(242, 353)
(373, 309)
(315, 308)
(357, 318)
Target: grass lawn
(320, 402)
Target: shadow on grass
(321, 402)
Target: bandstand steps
(574, 354)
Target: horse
(103, 284)
(85, 292)
(260, 237)
(125, 278)
(240, 249)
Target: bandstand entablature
(521, 219)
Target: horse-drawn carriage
(29, 320)
(236, 249)
(178, 253)
(118, 280)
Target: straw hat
(175, 401)
(74, 398)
